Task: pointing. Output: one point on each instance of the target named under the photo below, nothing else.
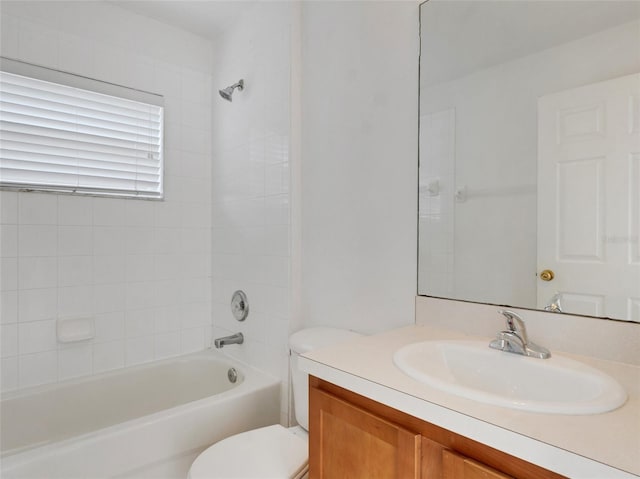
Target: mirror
(529, 180)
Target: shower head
(227, 92)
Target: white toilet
(272, 452)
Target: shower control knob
(239, 305)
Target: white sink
(472, 370)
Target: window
(62, 132)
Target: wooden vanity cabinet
(356, 443)
(455, 466)
(353, 437)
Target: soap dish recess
(73, 330)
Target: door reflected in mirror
(529, 182)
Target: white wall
(496, 131)
(314, 173)
(141, 269)
(359, 164)
(251, 239)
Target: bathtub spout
(237, 338)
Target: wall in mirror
(529, 182)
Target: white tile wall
(98, 253)
(139, 268)
(250, 216)
(357, 271)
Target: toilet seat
(271, 452)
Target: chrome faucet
(555, 306)
(515, 340)
(237, 338)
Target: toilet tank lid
(308, 339)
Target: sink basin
(472, 370)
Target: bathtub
(147, 421)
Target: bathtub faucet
(237, 338)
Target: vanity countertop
(578, 446)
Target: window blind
(60, 137)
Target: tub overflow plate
(239, 305)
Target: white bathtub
(148, 421)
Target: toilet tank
(304, 341)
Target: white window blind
(55, 135)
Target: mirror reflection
(529, 183)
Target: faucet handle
(515, 324)
(509, 342)
(515, 340)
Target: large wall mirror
(529, 183)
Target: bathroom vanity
(369, 419)
(353, 436)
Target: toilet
(272, 452)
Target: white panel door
(589, 198)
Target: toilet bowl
(268, 452)
(272, 452)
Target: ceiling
(207, 18)
(459, 37)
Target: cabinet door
(351, 443)
(456, 466)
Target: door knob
(547, 275)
